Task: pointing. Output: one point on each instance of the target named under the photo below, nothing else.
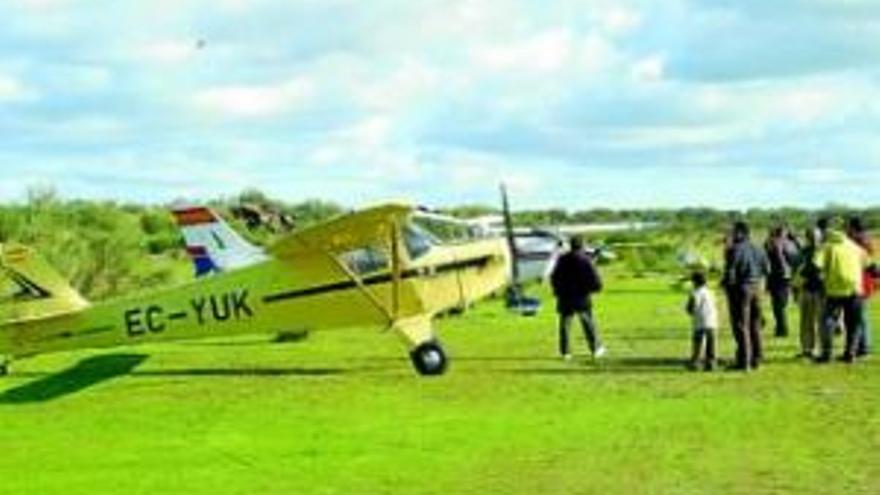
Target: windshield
(418, 241)
(443, 229)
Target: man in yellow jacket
(842, 263)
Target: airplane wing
(350, 231)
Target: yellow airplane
(374, 267)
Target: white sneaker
(566, 357)
(600, 351)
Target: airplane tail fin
(31, 289)
(212, 244)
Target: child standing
(704, 317)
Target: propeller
(516, 298)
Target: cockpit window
(366, 260)
(444, 230)
(418, 241)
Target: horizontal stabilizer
(31, 289)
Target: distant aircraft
(373, 267)
(536, 248)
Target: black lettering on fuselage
(215, 308)
(140, 321)
(134, 325)
(223, 307)
(154, 319)
(198, 305)
(239, 304)
(220, 307)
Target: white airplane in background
(494, 225)
(536, 248)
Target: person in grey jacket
(745, 266)
(782, 254)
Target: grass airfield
(343, 412)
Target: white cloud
(371, 151)
(544, 53)
(822, 175)
(41, 5)
(809, 105)
(168, 51)
(13, 90)
(619, 19)
(671, 136)
(407, 85)
(805, 103)
(255, 101)
(84, 77)
(649, 69)
(372, 132)
(480, 172)
(235, 6)
(439, 97)
(595, 54)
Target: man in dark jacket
(782, 254)
(745, 266)
(574, 280)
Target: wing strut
(358, 281)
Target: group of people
(828, 273)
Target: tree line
(110, 248)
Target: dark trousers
(700, 337)
(851, 307)
(745, 319)
(588, 322)
(780, 294)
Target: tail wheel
(429, 359)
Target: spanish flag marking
(194, 216)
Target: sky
(572, 103)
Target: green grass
(342, 412)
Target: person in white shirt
(704, 318)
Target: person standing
(857, 232)
(575, 279)
(842, 263)
(704, 318)
(745, 266)
(782, 254)
(811, 297)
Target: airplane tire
(429, 359)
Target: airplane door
(432, 271)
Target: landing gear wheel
(429, 359)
